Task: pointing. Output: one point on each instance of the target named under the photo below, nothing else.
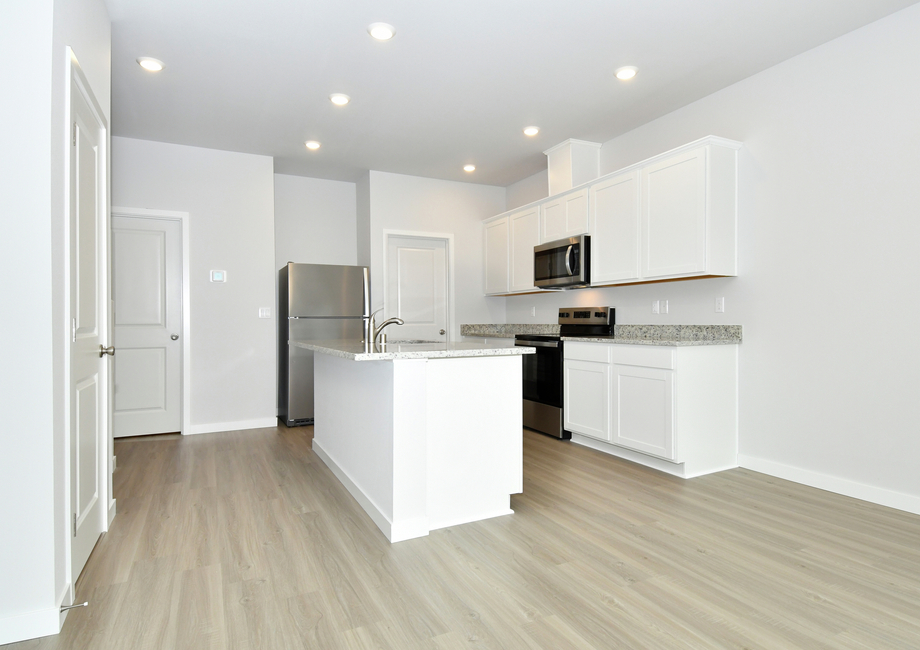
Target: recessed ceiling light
(627, 72)
(381, 31)
(313, 145)
(150, 65)
(339, 99)
(531, 130)
(469, 168)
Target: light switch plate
(218, 276)
(265, 312)
(664, 307)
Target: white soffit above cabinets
(457, 82)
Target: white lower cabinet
(587, 410)
(671, 408)
(642, 410)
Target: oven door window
(543, 376)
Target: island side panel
(410, 450)
(475, 438)
(353, 430)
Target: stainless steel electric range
(543, 381)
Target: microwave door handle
(568, 254)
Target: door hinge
(74, 524)
(74, 134)
(73, 330)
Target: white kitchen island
(424, 436)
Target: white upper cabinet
(525, 234)
(689, 212)
(669, 217)
(565, 215)
(674, 215)
(496, 256)
(615, 229)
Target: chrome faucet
(372, 330)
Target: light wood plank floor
(246, 540)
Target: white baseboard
(407, 530)
(215, 427)
(112, 512)
(42, 622)
(66, 596)
(846, 487)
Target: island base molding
(422, 444)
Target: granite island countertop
(356, 350)
(666, 335)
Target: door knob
(174, 337)
(106, 350)
(441, 332)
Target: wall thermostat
(218, 276)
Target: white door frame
(448, 239)
(76, 81)
(185, 355)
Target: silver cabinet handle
(441, 332)
(106, 350)
(174, 337)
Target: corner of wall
(363, 218)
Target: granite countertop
(666, 335)
(356, 351)
(508, 331)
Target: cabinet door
(565, 215)
(642, 408)
(587, 398)
(525, 234)
(615, 229)
(495, 273)
(674, 215)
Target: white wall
(530, 189)
(314, 221)
(410, 203)
(34, 538)
(26, 464)
(229, 198)
(828, 240)
(363, 219)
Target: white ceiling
(457, 83)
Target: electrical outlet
(533, 311)
(265, 312)
(664, 306)
(655, 306)
(720, 305)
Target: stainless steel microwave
(563, 264)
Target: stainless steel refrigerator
(316, 301)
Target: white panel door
(674, 215)
(88, 367)
(643, 410)
(525, 234)
(615, 229)
(586, 398)
(496, 269)
(417, 288)
(147, 279)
